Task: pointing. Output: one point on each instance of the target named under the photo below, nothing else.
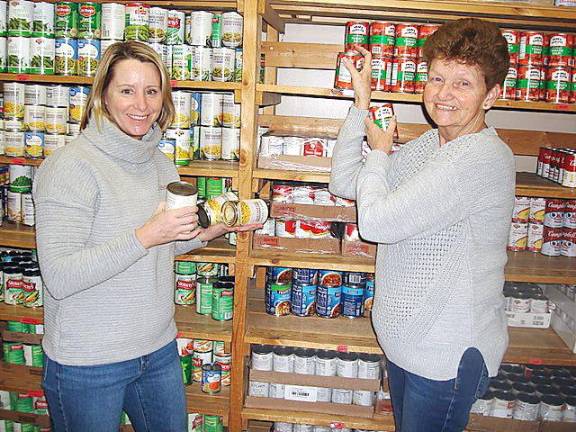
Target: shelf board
(217, 251)
(21, 313)
(303, 176)
(196, 326)
(20, 161)
(199, 402)
(538, 346)
(19, 378)
(313, 261)
(538, 268)
(10, 336)
(17, 235)
(29, 418)
(210, 169)
(404, 97)
(530, 184)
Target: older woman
(440, 211)
(106, 248)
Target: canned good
(78, 99)
(531, 47)
(181, 139)
(182, 106)
(230, 111)
(204, 290)
(89, 19)
(518, 238)
(216, 32)
(211, 378)
(352, 301)
(551, 241)
(551, 408)
(18, 54)
(20, 18)
(328, 301)
(502, 405)
(282, 360)
(210, 212)
(508, 90)
(277, 299)
(181, 55)
(180, 194)
(554, 213)
(12, 285)
(222, 65)
(329, 278)
(57, 96)
(245, 212)
(137, 22)
(232, 29)
(34, 144)
(14, 99)
(211, 109)
(210, 143)
(421, 76)
(113, 21)
(185, 292)
(406, 40)
(222, 301)
(568, 247)
(558, 84)
(88, 56)
(66, 19)
(382, 115)
(380, 78)
(513, 39)
(42, 53)
(304, 361)
(53, 142)
(570, 214)
(343, 78)
(238, 65)
(424, 32)
(34, 94)
(56, 120)
(356, 33)
(561, 49)
(403, 74)
(66, 57)
(382, 39)
(535, 237)
(175, 27)
(303, 298)
(262, 357)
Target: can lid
(552, 400)
(182, 188)
(203, 218)
(528, 398)
(227, 279)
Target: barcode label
(301, 393)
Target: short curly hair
(473, 42)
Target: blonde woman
(106, 248)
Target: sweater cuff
(378, 161)
(355, 119)
(133, 244)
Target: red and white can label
(356, 34)
(406, 39)
(380, 78)
(558, 84)
(518, 238)
(508, 90)
(560, 49)
(382, 39)
(513, 39)
(531, 48)
(552, 241)
(528, 84)
(343, 78)
(535, 235)
(403, 74)
(521, 212)
(569, 169)
(554, 215)
(569, 242)
(351, 232)
(570, 214)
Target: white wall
(406, 113)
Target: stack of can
(23, 354)
(275, 145)
(325, 293)
(527, 227)
(204, 423)
(315, 362)
(558, 165)
(31, 402)
(205, 362)
(525, 298)
(541, 66)
(532, 393)
(31, 326)
(19, 204)
(21, 282)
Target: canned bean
(222, 301)
(238, 64)
(66, 19)
(88, 56)
(182, 106)
(232, 29)
(3, 54)
(175, 27)
(216, 32)
(225, 363)
(89, 19)
(66, 57)
(137, 22)
(18, 54)
(204, 289)
(3, 24)
(20, 18)
(113, 21)
(230, 111)
(42, 52)
(185, 280)
(222, 65)
(78, 98)
(199, 28)
(180, 194)
(12, 285)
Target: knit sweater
(441, 217)
(107, 298)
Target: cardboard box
(312, 211)
(566, 334)
(528, 319)
(325, 246)
(358, 249)
(295, 163)
(562, 301)
(305, 385)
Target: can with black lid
(527, 407)
(551, 408)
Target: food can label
(352, 301)
(3, 17)
(216, 33)
(113, 21)
(175, 27)
(232, 28)
(20, 18)
(303, 299)
(328, 301)
(89, 19)
(552, 241)
(185, 291)
(88, 56)
(43, 24)
(230, 144)
(211, 379)
(78, 98)
(182, 106)
(222, 64)
(277, 299)
(34, 144)
(136, 25)
(210, 143)
(199, 29)
(200, 63)
(568, 242)
(204, 297)
(222, 304)
(14, 143)
(211, 109)
(518, 238)
(18, 54)
(66, 56)
(66, 19)
(238, 64)
(42, 53)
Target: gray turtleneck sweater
(107, 298)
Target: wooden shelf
(21, 313)
(210, 169)
(529, 184)
(19, 378)
(535, 267)
(218, 251)
(10, 336)
(538, 346)
(196, 326)
(303, 176)
(29, 418)
(328, 262)
(17, 235)
(6, 160)
(199, 402)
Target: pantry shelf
(538, 268)
(196, 326)
(19, 378)
(301, 176)
(210, 169)
(21, 313)
(538, 346)
(328, 262)
(200, 402)
(10, 336)
(7, 160)
(17, 235)
(217, 251)
(29, 418)
(529, 184)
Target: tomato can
(211, 378)
(558, 84)
(357, 33)
(561, 46)
(406, 39)
(513, 39)
(569, 179)
(552, 241)
(518, 238)
(508, 90)
(535, 235)
(380, 79)
(421, 77)
(568, 242)
(343, 78)
(382, 39)
(403, 74)
(527, 87)
(381, 115)
(424, 32)
(531, 48)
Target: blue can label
(303, 299)
(277, 299)
(329, 278)
(328, 301)
(354, 278)
(305, 276)
(279, 275)
(369, 294)
(352, 301)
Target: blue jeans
(91, 398)
(425, 405)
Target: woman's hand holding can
(361, 79)
(168, 225)
(379, 139)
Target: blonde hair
(116, 53)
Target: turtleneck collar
(112, 141)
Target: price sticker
(173, 83)
(342, 348)
(23, 77)
(337, 425)
(28, 320)
(535, 361)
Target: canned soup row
(302, 427)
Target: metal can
(513, 39)
(521, 211)
(14, 143)
(211, 378)
(518, 238)
(262, 357)
(185, 281)
(232, 29)
(352, 301)
(230, 146)
(551, 408)
(137, 22)
(53, 142)
(558, 84)
(89, 19)
(3, 54)
(421, 76)
(508, 90)
(66, 19)
(554, 213)
(204, 289)
(3, 18)
(200, 63)
(238, 64)
(175, 27)
(282, 359)
(181, 138)
(56, 120)
(113, 21)
(568, 242)
(531, 47)
(382, 39)
(42, 53)
(369, 293)
(535, 237)
(328, 301)
(569, 170)
(32, 289)
(343, 78)
(14, 99)
(424, 32)
(403, 75)
(12, 285)
(34, 144)
(551, 241)
(210, 143)
(13, 353)
(182, 107)
(406, 39)
(158, 25)
(561, 49)
(279, 275)
(35, 94)
(18, 54)
(88, 56)
(277, 298)
(66, 57)
(199, 28)
(329, 278)
(380, 78)
(230, 111)
(210, 212)
(222, 301)
(527, 85)
(573, 86)
(570, 214)
(78, 98)
(381, 115)
(180, 194)
(225, 363)
(216, 33)
(57, 96)
(502, 405)
(244, 212)
(211, 109)
(356, 33)
(181, 55)
(222, 65)
(303, 298)
(20, 18)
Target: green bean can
(222, 301)
(22, 402)
(214, 187)
(89, 20)
(216, 34)
(43, 24)
(3, 54)
(186, 364)
(18, 54)
(20, 18)
(42, 53)
(66, 20)
(213, 423)
(204, 289)
(201, 186)
(17, 326)
(207, 270)
(137, 22)
(13, 353)
(88, 56)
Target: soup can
(552, 241)
(328, 301)
(42, 53)
(175, 27)
(280, 275)
(424, 32)
(508, 90)
(356, 33)
(568, 247)
(421, 76)
(137, 22)
(277, 299)
(343, 78)
(303, 298)
(113, 21)
(513, 39)
(199, 29)
(554, 213)
(200, 63)
(527, 85)
(558, 84)
(531, 47)
(352, 301)
(406, 39)
(561, 49)
(211, 378)
(382, 39)
(222, 66)
(232, 29)
(18, 54)
(66, 57)
(380, 74)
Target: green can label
(213, 424)
(186, 364)
(22, 402)
(513, 48)
(13, 353)
(216, 34)
(185, 267)
(66, 20)
(405, 42)
(214, 187)
(204, 289)
(89, 20)
(37, 356)
(17, 326)
(201, 186)
(222, 304)
(382, 39)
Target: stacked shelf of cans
(545, 225)
(31, 402)
(21, 282)
(557, 165)
(16, 204)
(207, 286)
(67, 38)
(205, 423)
(324, 293)
(525, 297)
(397, 61)
(531, 393)
(19, 353)
(541, 66)
(205, 362)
